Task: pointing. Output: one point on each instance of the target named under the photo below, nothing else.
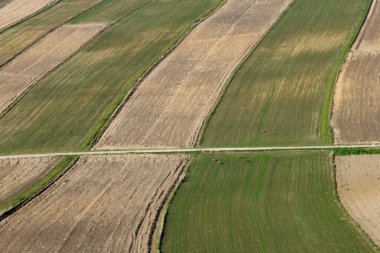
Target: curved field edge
(267, 202)
(350, 218)
(111, 88)
(323, 128)
(229, 80)
(328, 101)
(41, 185)
(47, 7)
(123, 98)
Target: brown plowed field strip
(356, 111)
(358, 179)
(103, 204)
(33, 64)
(16, 175)
(19, 9)
(169, 107)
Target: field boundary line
(344, 211)
(21, 200)
(192, 150)
(137, 84)
(47, 7)
(325, 128)
(198, 137)
(39, 79)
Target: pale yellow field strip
(103, 204)
(26, 69)
(169, 107)
(356, 111)
(16, 175)
(16, 10)
(358, 179)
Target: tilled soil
(19, 9)
(16, 175)
(356, 111)
(103, 204)
(169, 107)
(358, 179)
(33, 64)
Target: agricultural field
(280, 95)
(19, 75)
(169, 107)
(357, 100)
(17, 10)
(280, 202)
(19, 37)
(17, 175)
(358, 179)
(89, 86)
(103, 204)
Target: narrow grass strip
(38, 187)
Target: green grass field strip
(66, 109)
(277, 95)
(21, 36)
(261, 203)
(326, 113)
(38, 187)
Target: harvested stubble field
(103, 204)
(358, 179)
(15, 39)
(277, 95)
(356, 108)
(68, 107)
(283, 202)
(17, 175)
(19, 75)
(17, 10)
(169, 107)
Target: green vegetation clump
(267, 202)
(281, 95)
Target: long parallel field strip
(358, 179)
(103, 204)
(21, 36)
(67, 108)
(28, 68)
(169, 107)
(356, 111)
(17, 10)
(260, 203)
(277, 96)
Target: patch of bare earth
(36, 62)
(358, 179)
(17, 175)
(103, 204)
(169, 107)
(356, 111)
(16, 10)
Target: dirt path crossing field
(103, 204)
(358, 179)
(169, 107)
(16, 175)
(356, 111)
(32, 65)
(19, 9)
